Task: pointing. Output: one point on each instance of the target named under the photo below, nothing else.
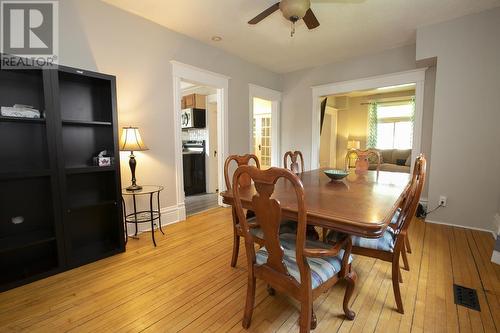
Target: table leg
(159, 212)
(135, 216)
(152, 218)
(125, 220)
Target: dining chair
(391, 244)
(289, 263)
(294, 164)
(362, 158)
(294, 167)
(407, 246)
(286, 226)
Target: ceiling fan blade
(310, 19)
(265, 14)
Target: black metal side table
(143, 216)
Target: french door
(262, 134)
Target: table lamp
(353, 144)
(130, 140)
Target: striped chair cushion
(322, 269)
(384, 243)
(286, 227)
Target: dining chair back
(244, 181)
(414, 194)
(391, 245)
(362, 158)
(286, 261)
(239, 160)
(294, 156)
(291, 162)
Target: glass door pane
(262, 131)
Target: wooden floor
(201, 202)
(186, 284)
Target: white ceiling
(348, 27)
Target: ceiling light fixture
(294, 10)
(216, 38)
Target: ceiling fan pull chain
(293, 30)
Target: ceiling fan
(293, 11)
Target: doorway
(265, 125)
(199, 146)
(379, 118)
(328, 139)
(358, 137)
(220, 83)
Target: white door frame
(182, 71)
(416, 76)
(275, 97)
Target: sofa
(394, 160)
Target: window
(395, 126)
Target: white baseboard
(496, 222)
(461, 226)
(496, 257)
(169, 215)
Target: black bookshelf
(57, 210)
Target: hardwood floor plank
(398, 322)
(186, 284)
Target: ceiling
(348, 28)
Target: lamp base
(133, 188)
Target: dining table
(361, 204)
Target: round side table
(143, 216)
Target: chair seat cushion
(384, 243)
(322, 269)
(286, 227)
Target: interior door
(262, 131)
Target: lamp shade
(130, 140)
(353, 144)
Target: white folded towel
(18, 110)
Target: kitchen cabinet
(193, 101)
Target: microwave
(193, 118)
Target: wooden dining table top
(361, 204)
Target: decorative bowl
(336, 174)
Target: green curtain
(412, 102)
(371, 141)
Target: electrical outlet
(443, 200)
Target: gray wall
(97, 36)
(465, 136)
(297, 93)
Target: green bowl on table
(336, 174)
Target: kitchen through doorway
(199, 146)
